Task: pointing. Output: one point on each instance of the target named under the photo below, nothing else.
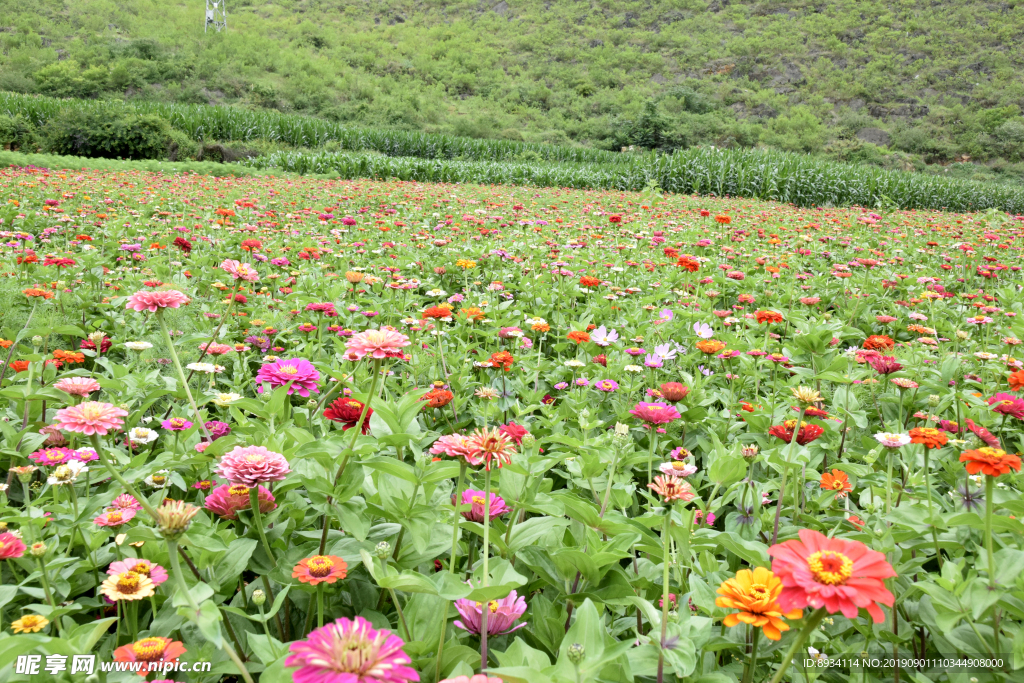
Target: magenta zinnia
(252, 465)
(91, 417)
(476, 500)
(299, 371)
(350, 651)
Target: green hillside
(898, 83)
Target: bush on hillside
(16, 132)
(108, 135)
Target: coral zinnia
(347, 411)
(500, 620)
(839, 575)
(988, 437)
(153, 649)
(320, 569)
(454, 446)
(768, 317)
(672, 488)
(127, 586)
(376, 344)
(91, 417)
(755, 594)
(227, 500)
(154, 301)
(929, 436)
(437, 398)
(578, 337)
(350, 651)
(299, 371)
(252, 465)
(240, 271)
(489, 445)
(655, 413)
(808, 432)
(838, 482)
(993, 462)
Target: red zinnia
(808, 432)
(839, 575)
(347, 411)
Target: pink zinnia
(10, 546)
(1008, 404)
(655, 413)
(350, 651)
(476, 500)
(125, 501)
(77, 386)
(500, 620)
(140, 566)
(252, 465)
(91, 417)
(299, 371)
(240, 271)
(452, 445)
(154, 301)
(227, 500)
(376, 344)
(839, 575)
(114, 517)
(176, 424)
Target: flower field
(378, 432)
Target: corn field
(778, 176)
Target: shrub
(107, 134)
(16, 132)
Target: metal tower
(216, 15)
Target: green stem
(49, 594)
(664, 591)
(931, 522)
(748, 674)
(266, 630)
(181, 373)
(785, 473)
(487, 556)
(650, 455)
(320, 605)
(95, 439)
(989, 480)
(257, 519)
(179, 580)
(798, 643)
(451, 563)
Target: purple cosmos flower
(703, 330)
(653, 360)
(602, 336)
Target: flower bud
(529, 440)
(383, 550)
(750, 452)
(933, 400)
(38, 549)
(174, 517)
(37, 340)
(575, 653)
(259, 597)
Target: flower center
(759, 592)
(148, 649)
(142, 568)
(288, 369)
(830, 567)
(114, 517)
(679, 466)
(128, 583)
(837, 485)
(320, 566)
(91, 412)
(177, 422)
(238, 490)
(159, 478)
(478, 500)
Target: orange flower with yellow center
(710, 346)
(929, 436)
(755, 593)
(838, 482)
(993, 462)
(127, 586)
(320, 569)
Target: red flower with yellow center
(993, 462)
(155, 649)
(320, 569)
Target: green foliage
(108, 134)
(16, 132)
(940, 78)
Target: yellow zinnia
(755, 594)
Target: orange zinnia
(710, 346)
(768, 317)
(838, 482)
(1016, 380)
(320, 568)
(879, 341)
(929, 436)
(755, 593)
(991, 461)
(578, 337)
